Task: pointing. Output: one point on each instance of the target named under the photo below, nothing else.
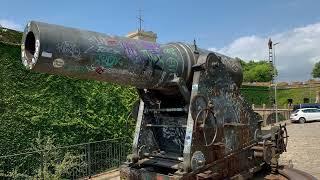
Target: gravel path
(304, 147)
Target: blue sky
(216, 25)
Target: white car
(305, 114)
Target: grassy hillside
(260, 95)
(256, 95)
(74, 111)
(10, 36)
(297, 94)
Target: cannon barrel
(84, 54)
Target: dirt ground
(304, 147)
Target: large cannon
(192, 122)
(90, 55)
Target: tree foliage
(316, 70)
(256, 71)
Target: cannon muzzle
(84, 54)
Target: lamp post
(274, 81)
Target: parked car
(305, 114)
(306, 105)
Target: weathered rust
(192, 122)
(288, 173)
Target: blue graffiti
(107, 60)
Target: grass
(261, 95)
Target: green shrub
(72, 110)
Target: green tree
(259, 71)
(316, 70)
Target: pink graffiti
(150, 46)
(112, 42)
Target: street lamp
(274, 81)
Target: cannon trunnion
(192, 121)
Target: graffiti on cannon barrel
(69, 49)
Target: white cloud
(10, 24)
(296, 54)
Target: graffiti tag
(150, 46)
(100, 44)
(130, 50)
(78, 69)
(107, 59)
(100, 70)
(58, 63)
(172, 64)
(170, 52)
(69, 49)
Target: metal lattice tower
(140, 20)
(271, 90)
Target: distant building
(143, 35)
(282, 84)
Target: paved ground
(111, 175)
(303, 150)
(304, 147)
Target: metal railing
(68, 162)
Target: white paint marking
(195, 87)
(25, 62)
(58, 63)
(46, 54)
